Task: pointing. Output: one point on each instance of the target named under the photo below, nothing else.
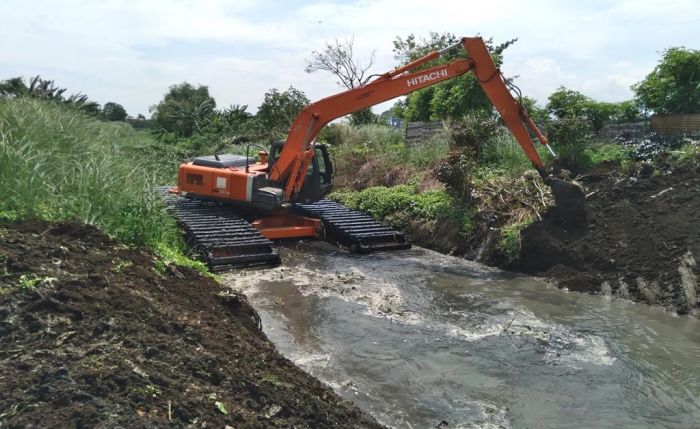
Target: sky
(130, 52)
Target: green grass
(688, 154)
(384, 143)
(401, 204)
(606, 152)
(58, 164)
(510, 239)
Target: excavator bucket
(570, 201)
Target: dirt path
(642, 242)
(92, 335)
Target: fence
(633, 129)
(420, 132)
(676, 124)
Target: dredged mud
(641, 241)
(94, 334)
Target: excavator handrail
(290, 167)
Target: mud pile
(641, 241)
(94, 334)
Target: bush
(688, 154)
(510, 239)
(570, 136)
(454, 173)
(402, 204)
(504, 153)
(471, 132)
(607, 152)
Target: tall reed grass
(59, 164)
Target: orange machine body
(235, 185)
(230, 184)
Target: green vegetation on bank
(402, 204)
(57, 163)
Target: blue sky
(130, 52)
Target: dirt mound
(94, 334)
(641, 241)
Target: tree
(339, 59)
(450, 99)
(674, 84)
(564, 103)
(46, 90)
(14, 87)
(626, 111)
(184, 110)
(114, 112)
(232, 121)
(235, 114)
(279, 109)
(37, 88)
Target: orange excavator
(231, 206)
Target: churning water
(416, 338)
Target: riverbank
(96, 333)
(641, 241)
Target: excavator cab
(319, 177)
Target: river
(417, 338)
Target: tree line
(673, 86)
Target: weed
(270, 379)
(121, 266)
(173, 255)
(606, 152)
(152, 391)
(510, 239)
(688, 154)
(31, 281)
(221, 407)
(160, 267)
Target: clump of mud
(641, 242)
(93, 335)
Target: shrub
(571, 136)
(607, 152)
(471, 132)
(454, 173)
(403, 203)
(510, 239)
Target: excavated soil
(93, 335)
(641, 241)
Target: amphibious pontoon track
(219, 237)
(216, 235)
(355, 230)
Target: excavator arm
(290, 167)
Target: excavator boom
(292, 163)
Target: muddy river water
(417, 338)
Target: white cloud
(130, 52)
